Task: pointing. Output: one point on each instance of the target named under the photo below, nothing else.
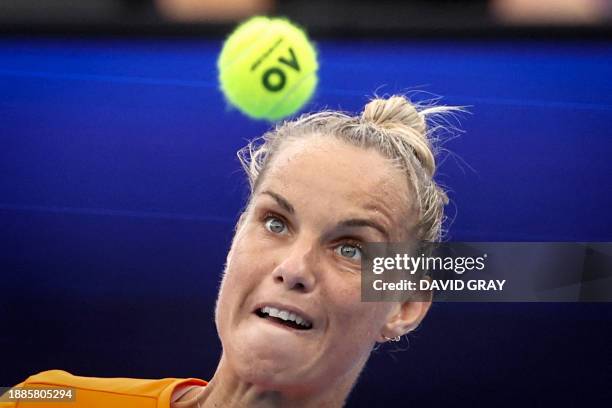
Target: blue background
(119, 189)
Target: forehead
(338, 179)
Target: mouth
(284, 317)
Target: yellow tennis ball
(268, 68)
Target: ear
(404, 317)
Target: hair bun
(393, 111)
(400, 118)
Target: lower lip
(280, 325)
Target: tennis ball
(268, 68)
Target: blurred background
(119, 184)
(332, 16)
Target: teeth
(285, 315)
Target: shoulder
(93, 392)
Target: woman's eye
(349, 251)
(275, 225)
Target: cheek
(235, 279)
(354, 329)
(248, 261)
(245, 269)
(351, 315)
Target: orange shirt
(93, 392)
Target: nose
(296, 269)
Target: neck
(226, 389)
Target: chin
(268, 377)
(269, 357)
(266, 374)
(262, 363)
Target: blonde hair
(394, 126)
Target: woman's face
(297, 250)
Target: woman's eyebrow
(350, 223)
(361, 222)
(281, 201)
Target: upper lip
(292, 309)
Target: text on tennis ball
(274, 78)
